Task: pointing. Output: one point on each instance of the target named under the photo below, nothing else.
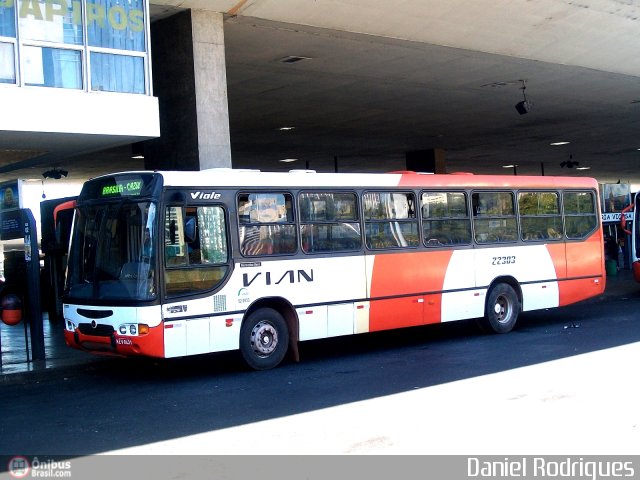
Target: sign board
(615, 196)
(615, 217)
(10, 204)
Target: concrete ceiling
(381, 78)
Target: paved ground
(546, 389)
(16, 367)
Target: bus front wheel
(503, 307)
(264, 339)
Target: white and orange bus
(168, 264)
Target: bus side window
(495, 219)
(445, 219)
(539, 216)
(266, 224)
(174, 243)
(390, 220)
(329, 222)
(580, 214)
(196, 254)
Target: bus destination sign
(122, 188)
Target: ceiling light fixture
(55, 173)
(286, 129)
(138, 157)
(288, 160)
(569, 163)
(583, 168)
(293, 59)
(524, 106)
(555, 144)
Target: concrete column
(430, 161)
(189, 79)
(211, 89)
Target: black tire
(264, 339)
(502, 309)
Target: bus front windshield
(112, 254)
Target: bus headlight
(133, 329)
(71, 327)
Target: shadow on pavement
(116, 403)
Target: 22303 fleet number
(504, 260)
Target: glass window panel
(492, 203)
(7, 18)
(212, 235)
(195, 249)
(392, 234)
(328, 207)
(114, 256)
(7, 63)
(387, 205)
(444, 205)
(267, 240)
(116, 24)
(541, 228)
(330, 237)
(580, 226)
(52, 67)
(117, 73)
(538, 203)
(265, 208)
(578, 202)
(495, 230)
(57, 21)
(446, 232)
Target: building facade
(80, 68)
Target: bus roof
(225, 177)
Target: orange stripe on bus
(406, 274)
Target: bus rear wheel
(502, 309)
(264, 339)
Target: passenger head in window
(552, 233)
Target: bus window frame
(230, 263)
(359, 220)
(475, 215)
(467, 201)
(409, 220)
(594, 204)
(240, 224)
(559, 193)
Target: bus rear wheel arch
(502, 309)
(264, 338)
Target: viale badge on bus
(205, 196)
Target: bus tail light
(143, 329)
